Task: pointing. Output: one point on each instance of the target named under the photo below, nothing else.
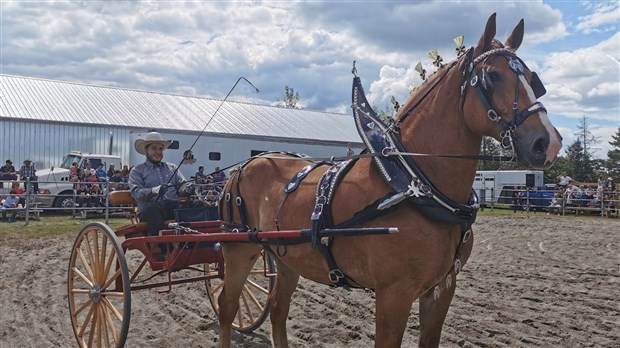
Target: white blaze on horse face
(554, 142)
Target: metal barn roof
(25, 98)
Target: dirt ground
(532, 281)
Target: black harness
(399, 170)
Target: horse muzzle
(538, 151)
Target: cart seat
(121, 197)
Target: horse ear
(487, 37)
(516, 38)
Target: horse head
(499, 99)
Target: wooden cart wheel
(98, 288)
(254, 299)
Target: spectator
(219, 178)
(116, 181)
(125, 173)
(556, 204)
(101, 173)
(564, 180)
(219, 175)
(28, 171)
(601, 181)
(7, 172)
(611, 185)
(10, 205)
(200, 176)
(211, 198)
(516, 199)
(19, 192)
(74, 172)
(88, 171)
(111, 171)
(149, 182)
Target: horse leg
(279, 303)
(393, 306)
(433, 313)
(239, 260)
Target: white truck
(497, 186)
(54, 185)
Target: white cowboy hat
(150, 138)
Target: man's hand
(155, 190)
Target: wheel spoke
(93, 326)
(110, 322)
(116, 274)
(89, 251)
(217, 288)
(81, 308)
(86, 321)
(85, 263)
(97, 264)
(81, 275)
(249, 293)
(99, 327)
(113, 293)
(113, 309)
(257, 286)
(246, 304)
(108, 265)
(104, 247)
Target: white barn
(42, 120)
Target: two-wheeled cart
(103, 271)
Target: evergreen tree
(613, 157)
(561, 165)
(577, 162)
(290, 98)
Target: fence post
(107, 199)
(27, 203)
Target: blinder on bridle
(482, 83)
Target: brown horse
(418, 261)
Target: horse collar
(402, 173)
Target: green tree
(489, 147)
(577, 162)
(290, 98)
(560, 165)
(613, 157)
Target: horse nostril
(539, 146)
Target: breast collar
(401, 172)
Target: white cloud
(605, 18)
(584, 81)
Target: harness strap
(293, 184)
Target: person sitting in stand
(154, 183)
(564, 180)
(20, 192)
(111, 171)
(101, 173)
(88, 171)
(74, 172)
(7, 172)
(116, 181)
(200, 176)
(125, 173)
(219, 177)
(10, 205)
(28, 171)
(555, 206)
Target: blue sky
(202, 47)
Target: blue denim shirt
(147, 175)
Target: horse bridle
(482, 83)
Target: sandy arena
(537, 281)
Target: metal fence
(88, 198)
(560, 202)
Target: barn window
(215, 156)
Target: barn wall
(46, 143)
